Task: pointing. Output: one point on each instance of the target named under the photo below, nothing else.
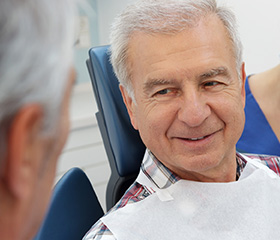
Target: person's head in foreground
(36, 77)
(180, 67)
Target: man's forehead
(209, 23)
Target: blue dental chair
(73, 209)
(122, 142)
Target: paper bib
(247, 209)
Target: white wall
(259, 25)
(107, 11)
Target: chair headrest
(126, 144)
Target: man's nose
(193, 108)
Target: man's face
(189, 101)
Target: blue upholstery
(73, 209)
(123, 144)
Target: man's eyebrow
(150, 83)
(220, 71)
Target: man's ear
(130, 105)
(243, 80)
(23, 154)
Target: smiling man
(189, 102)
(182, 78)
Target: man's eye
(211, 84)
(214, 86)
(166, 93)
(163, 91)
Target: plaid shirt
(162, 177)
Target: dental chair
(123, 145)
(73, 208)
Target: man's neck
(9, 229)
(225, 172)
(12, 219)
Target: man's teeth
(195, 139)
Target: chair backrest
(73, 209)
(122, 142)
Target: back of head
(36, 40)
(164, 17)
(36, 44)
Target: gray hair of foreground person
(36, 41)
(164, 17)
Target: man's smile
(201, 140)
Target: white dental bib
(246, 209)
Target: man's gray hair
(36, 41)
(164, 17)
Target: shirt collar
(159, 174)
(241, 163)
(162, 177)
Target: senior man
(181, 75)
(36, 77)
